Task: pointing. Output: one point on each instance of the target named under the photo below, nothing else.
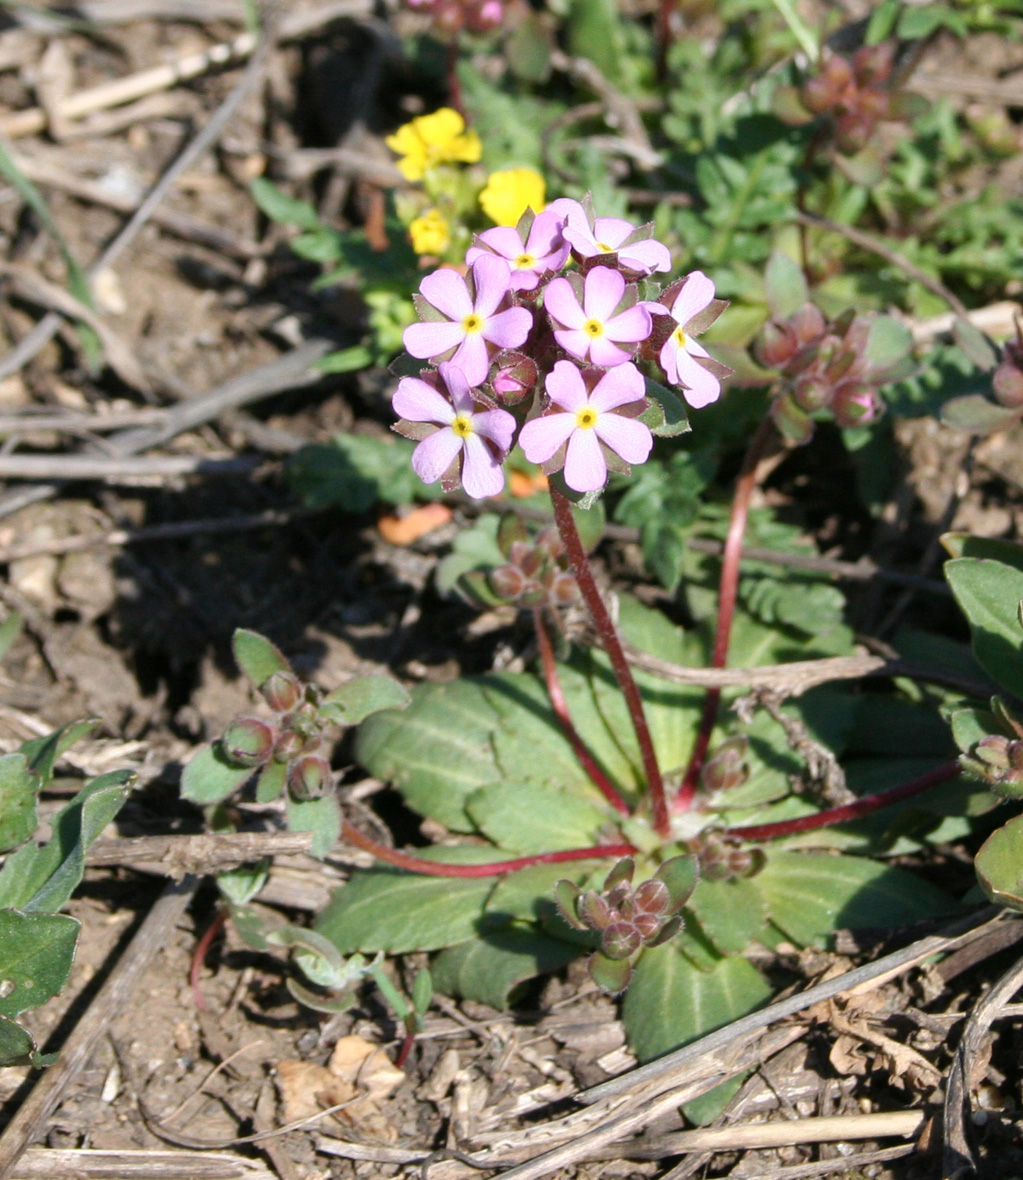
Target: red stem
(727, 593)
(199, 956)
(494, 868)
(406, 1047)
(848, 811)
(560, 707)
(613, 646)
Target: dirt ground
(137, 634)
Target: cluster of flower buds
(559, 349)
(293, 740)
(628, 918)
(537, 570)
(451, 16)
(997, 758)
(855, 92)
(823, 370)
(723, 857)
(726, 768)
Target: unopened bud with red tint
(248, 741)
(512, 382)
(593, 911)
(808, 323)
(282, 691)
(812, 394)
(564, 590)
(726, 768)
(289, 745)
(1007, 379)
(793, 422)
(829, 87)
(776, 344)
(652, 897)
(873, 64)
(620, 940)
(855, 405)
(507, 581)
(309, 777)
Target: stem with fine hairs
(729, 588)
(612, 644)
(560, 707)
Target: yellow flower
(509, 194)
(440, 138)
(430, 233)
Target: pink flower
(594, 424)
(684, 361)
(609, 236)
(472, 320)
(588, 330)
(544, 250)
(458, 445)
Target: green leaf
(271, 781)
(437, 752)
(36, 954)
(42, 879)
(488, 969)
(10, 629)
(209, 777)
(530, 818)
(967, 545)
(529, 894)
(43, 752)
(595, 31)
(394, 911)
(17, 801)
(320, 816)
(989, 594)
(257, 657)
(975, 344)
(811, 895)
(731, 913)
(345, 360)
(970, 725)
(356, 472)
(284, 209)
(474, 548)
(355, 701)
(673, 419)
(241, 885)
(888, 342)
(976, 413)
(670, 1002)
(16, 1046)
(786, 285)
(999, 865)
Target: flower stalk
(612, 644)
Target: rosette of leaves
(987, 580)
(37, 942)
(485, 757)
(287, 753)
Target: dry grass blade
(45, 1163)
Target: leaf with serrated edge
(36, 954)
(437, 752)
(811, 895)
(488, 969)
(257, 657)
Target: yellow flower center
(586, 418)
(604, 248)
(680, 337)
(593, 328)
(525, 262)
(472, 323)
(462, 426)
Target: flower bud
(289, 745)
(808, 323)
(593, 910)
(247, 741)
(727, 767)
(855, 405)
(647, 925)
(309, 777)
(776, 344)
(282, 691)
(873, 64)
(564, 590)
(1007, 383)
(620, 940)
(507, 581)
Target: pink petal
(565, 386)
(699, 387)
(585, 469)
(669, 359)
(482, 473)
(611, 231)
(618, 387)
(561, 304)
(631, 326)
(492, 276)
(545, 234)
(425, 340)
(569, 212)
(602, 292)
(582, 241)
(541, 437)
(497, 425)
(502, 240)
(456, 384)
(445, 289)
(509, 329)
(435, 454)
(605, 354)
(525, 280)
(419, 402)
(575, 342)
(627, 437)
(648, 255)
(696, 293)
(473, 359)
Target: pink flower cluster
(516, 338)
(479, 16)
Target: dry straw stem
(44, 1163)
(114, 997)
